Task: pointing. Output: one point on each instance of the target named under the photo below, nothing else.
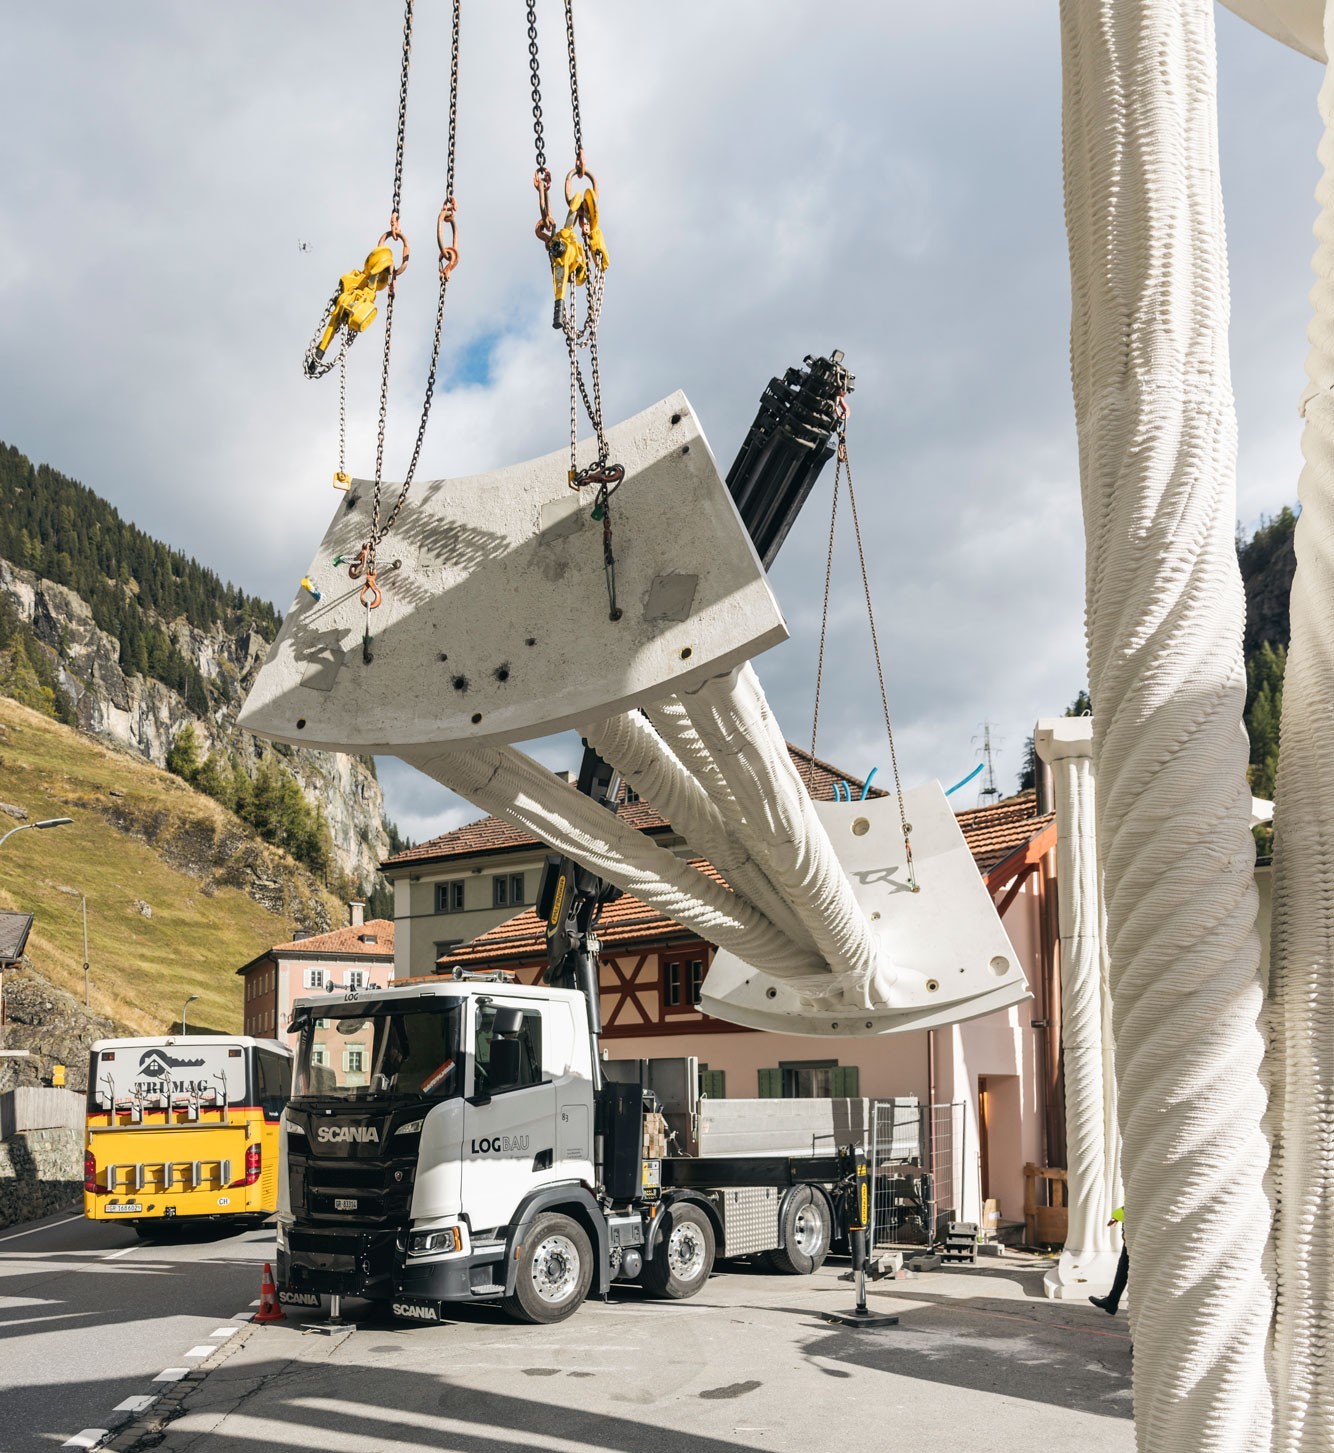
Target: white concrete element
(503, 781)
(1301, 960)
(1261, 811)
(1164, 612)
(953, 960)
(778, 821)
(495, 562)
(1298, 23)
(631, 745)
(1088, 1260)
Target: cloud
(775, 180)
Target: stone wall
(41, 1171)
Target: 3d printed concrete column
(1088, 1262)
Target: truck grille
(354, 1193)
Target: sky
(776, 178)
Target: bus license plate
(124, 1207)
(340, 1204)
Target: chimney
(301, 933)
(356, 914)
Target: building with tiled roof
(359, 955)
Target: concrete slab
(980, 1359)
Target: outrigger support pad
(495, 627)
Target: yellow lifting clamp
(585, 206)
(568, 262)
(354, 308)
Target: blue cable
(866, 786)
(964, 781)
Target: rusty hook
(398, 237)
(371, 595)
(359, 564)
(449, 251)
(546, 223)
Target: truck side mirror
(506, 1061)
(508, 1022)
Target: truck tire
(554, 1273)
(683, 1258)
(807, 1229)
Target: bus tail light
(89, 1172)
(252, 1166)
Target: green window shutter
(713, 1084)
(846, 1081)
(771, 1084)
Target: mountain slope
(145, 641)
(180, 893)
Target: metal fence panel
(917, 1159)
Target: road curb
(149, 1429)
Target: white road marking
(225, 1332)
(89, 1438)
(201, 1351)
(172, 1374)
(136, 1404)
(124, 1251)
(14, 1235)
(255, 1303)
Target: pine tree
(183, 754)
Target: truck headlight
(421, 1243)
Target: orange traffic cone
(269, 1308)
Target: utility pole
(83, 901)
(989, 792)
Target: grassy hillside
(140, 837)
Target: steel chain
(845, 464)
(538, 136)
(378, 530)
(574, 88)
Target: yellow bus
(182, 1130)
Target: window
(444, 945)
(273, 1081)
(507, 890)
(319, 1054)
(530, 1052)
(354, 1059)
(810, 1080)
(316, 979)
(449, 896)
(681, 982)
(356, 979)
(631, 795)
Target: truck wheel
(683, 1258)
(806, 1232)
(554, 1272)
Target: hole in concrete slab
(676, 418)
(531, 641)
(444, 655)
(860, 827)
(771, 993)
(1000, 966)
(503, 671)
(685, 448)
(476, 717)
(932, 985)
(460, 683)
(301, 723)
(687, 652)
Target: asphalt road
(90, 1316)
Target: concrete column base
(1081, 1274)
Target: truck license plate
(123, 1207)
(342, 1204)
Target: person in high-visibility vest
(1112, 1300)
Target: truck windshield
(368, 1051)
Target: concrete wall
(41, 1171)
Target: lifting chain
(364, 566)
(579, 259)
(842, 468)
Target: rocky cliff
(145, 715)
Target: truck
(480, 1154)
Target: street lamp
(46, 822)
(184, 1007)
